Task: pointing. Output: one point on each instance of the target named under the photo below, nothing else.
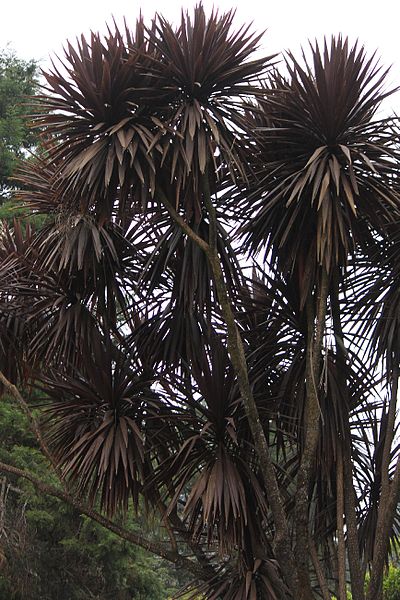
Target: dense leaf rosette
(327, 161)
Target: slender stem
(386, 512)
(182, 223)
(33, 423)
(167, 524)
(353, 548)
(152, 546)
(211, 213)
(311, 425)
(198, 552)
(391, 418)
(350, 502)
(319, 572)
(175, 526)
(282, 545)
(340, 524)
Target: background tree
(50, 551)
(18, 81)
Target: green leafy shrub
(391, 584)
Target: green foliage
(391, 584)
(348, 594)
(51, 551)
(12, 208)
(18, 81)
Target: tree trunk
(388, 499)
(355, 564)
(311, 425)
(340, 525)
(353, 549)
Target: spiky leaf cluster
(112, 310)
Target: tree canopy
(210, 309)
(18, 83)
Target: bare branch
(155, 547)
(33, 423)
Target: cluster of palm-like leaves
(112, 310)
(326, 182)
(150, 113)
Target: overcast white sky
(38, 28)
